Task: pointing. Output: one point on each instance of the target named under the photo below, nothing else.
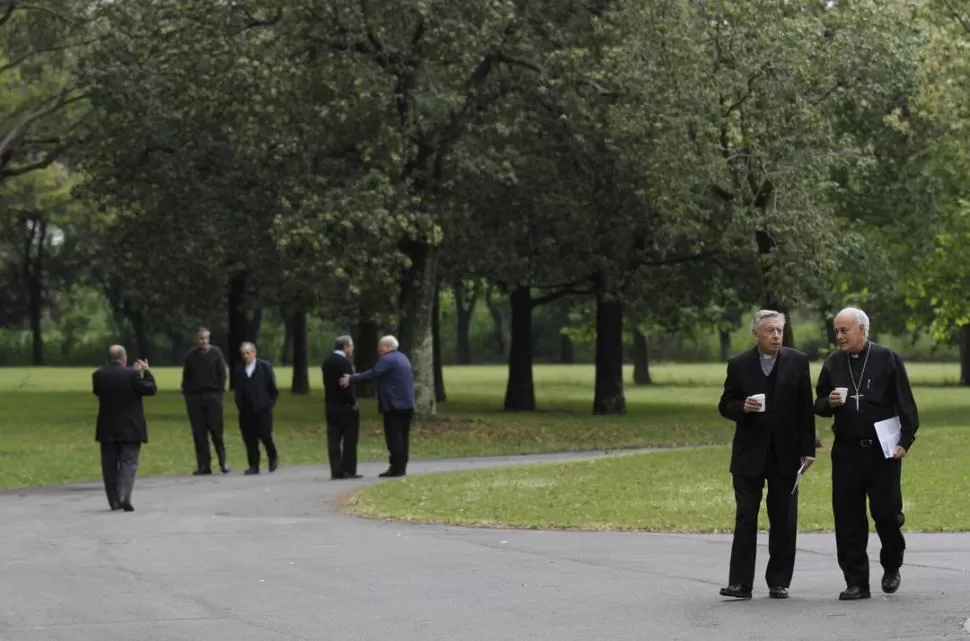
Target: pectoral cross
(857, 396)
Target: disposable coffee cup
(843, 393)
(761, 401)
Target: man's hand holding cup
(754, 403)
(837, 396)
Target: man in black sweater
(343, 418)
(203, 384)
(256, 395)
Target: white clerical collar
(341, 352)
(859, 353)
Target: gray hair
(390, 342)
(117, 353)
(762, 314)
(344, 341)
(202, 331)
(858, 315)
(248, 344)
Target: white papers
(798, 476)
(888, 433)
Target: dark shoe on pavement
(891, 581)
(737, 591)
(251, 470)
(273, 464)
(854, 593)
(202, 472)
(778, 592)
(127, 507)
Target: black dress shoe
(273, 464)
(778, 592)
(891, 581)
(854, 593)
(391, 473)
(114, 506)
(354, 476)
(251, 470)
(201, 472)
(337, 476)
(127, 507)
(737, 591)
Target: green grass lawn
(686, 490)
(48, 422)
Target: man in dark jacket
(343, 418)
(768, 395)
(395, 401)
(203, 384)
(121, 423)
(256, 395)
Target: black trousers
(256, 427)
(397, 435)
(119, 463)
(783, 528)
(205, 416)
(343, 425)
(859, 472)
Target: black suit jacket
(121, 416)
(258, 393)
(789, 417)
(333, 368)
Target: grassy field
(48, 422)
(687, 490)
(48, 432)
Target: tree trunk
(463, 313)
(33, 267)
(365, 354)
(301, 361)
(965, 355)
(238, 322)
(567, 352)
(439, 377)
(176, 356)
(143, 341)
(608, 397)
(36, 308)
(286, 351)
(641, 359)
(255, 324)
(418, 288)
(724, 343)
(520, 395)
(502, 333)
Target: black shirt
(204, 372)
(879, 389)
(336, 365)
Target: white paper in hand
(798, 476)
(888, 433)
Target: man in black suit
(121, 422)
(343, 417)
(256, 395)
(768, 394)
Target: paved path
(271, 558)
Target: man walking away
(203, 384)
(121, 426)
(343, 417)
(256, 395)
(395, 401)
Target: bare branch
(37, 52)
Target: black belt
(856, 442)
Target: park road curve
(272, 558)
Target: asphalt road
(272, 558)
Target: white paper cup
(761, 400)
(843, 393)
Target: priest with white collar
(863, 383)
